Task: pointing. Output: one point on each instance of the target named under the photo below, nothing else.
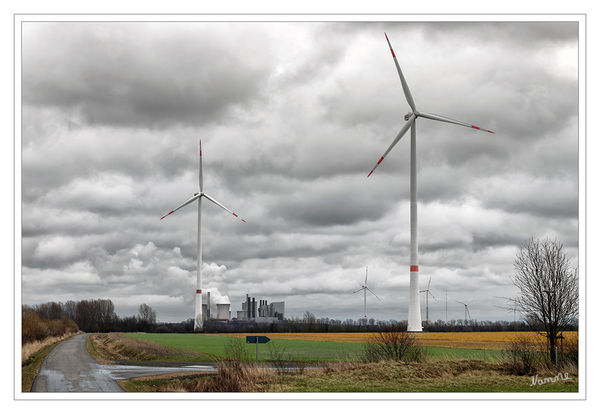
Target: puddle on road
(120, 372)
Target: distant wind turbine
(198, 323)
(466, 310)
(364, 288)
(427, 293)
(414, 308)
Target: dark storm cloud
(292, 118)
(141, 75)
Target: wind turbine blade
(429, 283)
(434, 298)
(358, 290)
(366, 274)
(407, 93)
(222, 206)
(373, 294)
(462, 303)
(194, 198)
(400, 135)
(452, 121)
(200, 169)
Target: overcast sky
(293, 117)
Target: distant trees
(93, 315)
(146, 314)
(549, 288)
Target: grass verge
(30, 366)
(446, 376)
(111, 347)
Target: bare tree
(548, 287)
(146, 314)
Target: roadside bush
(525, 356)
(235, 350)
(35, 328)
(279, 357)
(393, 345)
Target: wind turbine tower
(414, 308)
(198, 323)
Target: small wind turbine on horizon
(427, 293)
(466, 310)
(414, 308)
(198, 323)
(364, 288)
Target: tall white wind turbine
(414, 308)
(198, 196)
(364, 288)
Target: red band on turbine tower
(198, 291)
(414, 268)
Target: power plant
(252, 310)
(263, 313)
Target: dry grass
(30, 348)
(105, 348)
(472, 340)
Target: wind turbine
(466, 310)
(414, 308)
(198, 323)
(364, 288)
(427, 293)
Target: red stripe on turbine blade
(200, 152)
(379, 162)
(244, 221)
(234, 214)
(414, 268)
(166, 215)
(371, 173)
(476, 127)
(198, 291)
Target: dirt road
(70, 368)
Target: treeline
(98, 315)
(350, 325)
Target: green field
(298, 350)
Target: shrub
(35, 328)
(278, 357)
(395, 345)
(525, 356)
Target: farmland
(327, 347)
(455, 362)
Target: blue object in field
(257, 339)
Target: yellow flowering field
(475, 340)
